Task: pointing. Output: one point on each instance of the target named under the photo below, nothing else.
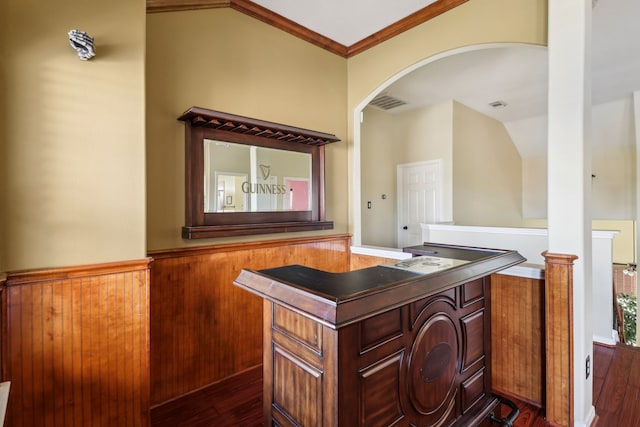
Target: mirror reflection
(249, 178)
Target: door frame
(400, 192)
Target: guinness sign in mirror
(250, 178)
(247, 176)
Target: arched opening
(451, 109)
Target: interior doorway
(229, 195)
(419, 199)
(299, 197)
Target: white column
(569, 174)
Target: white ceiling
(518, 75)
(345, 21)
(515, 75)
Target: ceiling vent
(386, 102)
(498, 104)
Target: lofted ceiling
(517, 75)
(346, 22)
(514, 75)
(345, 28)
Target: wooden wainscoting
(559, 338)
(359, 261)
(204, 328)
(517, 337)
(75, 345)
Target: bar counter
(405, 343)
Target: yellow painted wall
(73, 159)
(534, 187)
(388, 140)
(481, 168)
(429, 136)
(613, 188)
(613, 157)
(474, 22)
(73, 155)
(382, 143)
(487, 171)
(4, 13)
(226, 61)
(624, 243)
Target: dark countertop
(338, 286)
(340, 298)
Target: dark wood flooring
(616, 394)
(237, 401)
(233, 402)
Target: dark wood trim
(175, 5)
(246, 246)
(212, 231)
(413, 20)
(267, 16)
(204, 124)
(559, 338)
(63, 273)
(319, 190)
(194, 197)
(4, 336)
(211, 119)
(267, 364)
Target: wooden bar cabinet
(402, 344)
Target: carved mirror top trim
(237, 203)
(201, 117)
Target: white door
(419, 199)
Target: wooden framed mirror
(247, 176)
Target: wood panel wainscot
(359, 261)
(559, 338)
(204, 329)
(75, 345)
(517, 337)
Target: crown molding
(269, 17)
(419, 17)
(175, 5)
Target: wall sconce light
(82, 43)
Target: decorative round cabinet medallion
(436, 362)
(432, 365)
